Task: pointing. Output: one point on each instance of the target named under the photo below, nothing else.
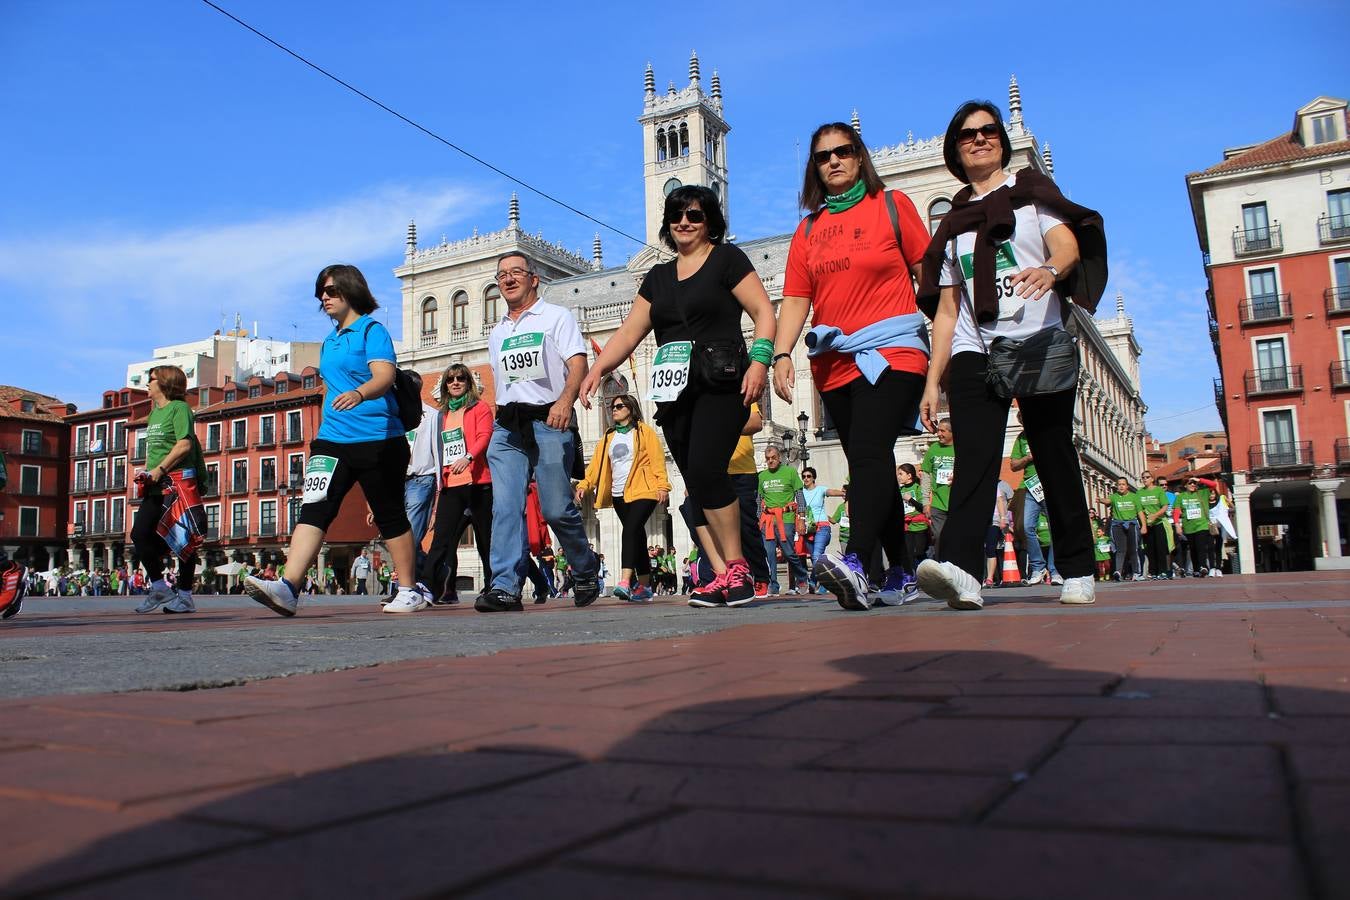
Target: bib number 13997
(670, 371)
(522, 357)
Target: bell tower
(683, 142)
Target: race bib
(1005, 267)
(1192, 511)
(1034, 487)
(670, 371)
(412, 438)
(943, 467)
(453, 445)
(318, 475)
(1104, 546)
(522, 357)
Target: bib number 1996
(318, 476)
(670, 371)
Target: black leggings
(701, 430)
(633, 518)
(979, 423)
(150, 547)
(1202, 546)
(870, 417)
(917, 541)
(1157, 547)
(458, 507)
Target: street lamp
(802, 421)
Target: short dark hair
(172, 381)
(911, 472)
(680, 199)
(629, 401)
(952, 155)
(516, 254)
(811, 469)
(813, 189)
(351, 284)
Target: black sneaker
(497, 600)
(450, 599)
(585, 588)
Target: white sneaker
(1215, 573)
(843, 577)
(181, 603)
(945, 581)
(274, 595)
(1138, 577)
(160, 593)
(1056, 579)
(1078, 591)
(408, 600)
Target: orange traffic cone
(1011, 574)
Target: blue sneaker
(621, 591)
(899, 588)
(640, 593)
(845, 577)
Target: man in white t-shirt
(538, 362)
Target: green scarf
(622, 429)
(848, 199)
(455, 404)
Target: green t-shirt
(1043, 530)
(1101, 546)
(778, 488)
(1151, 500)
(1194, 506)
(840, 518)
(166, 426)
(913, 492)
(939, 462)
(1125, 506)
(1020, 450)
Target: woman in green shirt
(1193, 504)
(173, 462)
(1154, 504)
(1127, 523)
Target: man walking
(360, 572)
(939, 462)
(779, 487)
(538, 362)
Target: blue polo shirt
(345, 365)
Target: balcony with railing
(427, 339)
(210, 446)
(35, 490)
(97, 527)
(267, 530)
(80, 449)
(293, 437)
(1343, 452)
(34, 449)
(138, 455)
(118, 483)
(210, 488)
(487, 327)
(99, 484)
(1278, 380)
(117, 525)
(459, 334)
(267, 439)
(1275, 457)
(267, 485)
(239, 531)
(1220, 400)
(81, 486)
(238, 486)
(1337, 299)
(1339, 370)
(213, 534)
(1333, 229)
(237, 442)
(1267, 308)
(1250, 241)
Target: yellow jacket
(645, 478)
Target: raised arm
(636, 326)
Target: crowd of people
(899, 318)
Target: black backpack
(407, 392)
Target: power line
(1177, 415)
(427, 131)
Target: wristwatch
(1052, 269)
(469, 457)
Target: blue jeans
(1036, 560)
(819, 542)
(796, 569)
(511, 464)
(419, 496)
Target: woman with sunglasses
(1193, 503)
(628, 472)
(1002, 263)
(701, 380)
(1157, 509)
(361, 439)
(463, 432)
(849, 266)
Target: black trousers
(917, 542)
(701, 431)
(979, 421)
(633, 541)
(870, 417)
(1202, 551)
(457, 508)
(150, 547)
(1157, 547)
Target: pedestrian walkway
(1174, 741)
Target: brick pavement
(1178, 741)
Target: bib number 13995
(670, 371)
(522, 357)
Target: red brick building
(1273, 221)
(102, 456)
(35, 443)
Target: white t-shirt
(1017, 317)
(1005, 491)
(620, 461)
(422, 440)
(529, 355)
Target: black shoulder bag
(717, 367)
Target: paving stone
(598, 884)
(966, 746)
(1324, 810)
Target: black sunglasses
(329, 290)
(695, 216)
(843, 151)
(451, 379)
(618, 406)
(967, 135)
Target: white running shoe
(408, 600)
(160, 593)
(1056, 579)
(945, 581)
(1078, 591)
(1215, 573)
(274, 595)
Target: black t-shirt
(713, 312)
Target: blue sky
(164, 168)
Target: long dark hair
(680, 199)
(813, 189)
(634, 411)
(950, 152)
(911, 472)
(351, 284)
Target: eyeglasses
(695, 216)
(843, 151)
(618, 406)
(451, 379)
(512, 273)
(329, 290)
(990, 131)
(812, 477)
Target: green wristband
(761, 351)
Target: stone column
(1331, 528)
(1242, 510)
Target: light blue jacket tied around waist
(866, 344)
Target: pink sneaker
(714, 593)
(740, 587)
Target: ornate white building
(450, 301)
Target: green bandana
(455, 404)
(622, 429)
(848, 199)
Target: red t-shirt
(850, 270)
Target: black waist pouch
(1045, 363)
(719, 366)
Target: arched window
(717, 189)
(459, 309)
(490, 298)
(660, 145)
(429, 315)
(708, 146)
(936, 211)
(684, 139)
